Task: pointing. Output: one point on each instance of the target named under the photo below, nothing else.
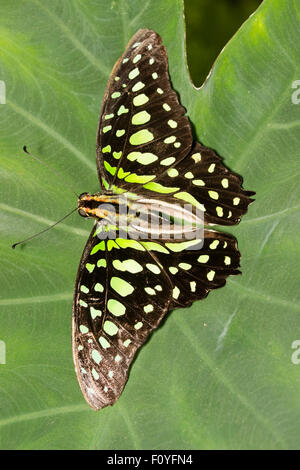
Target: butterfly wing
(195, 267)
(202, 180)
(124, 288)
(145, 144)
(114, 311)
(141, 122)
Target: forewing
(142, 127)
(121, 295)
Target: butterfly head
(98, 206)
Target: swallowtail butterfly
(148, 165)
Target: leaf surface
(217, 375)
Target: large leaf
(219, 374)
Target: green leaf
(218, 375)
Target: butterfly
(149, 168)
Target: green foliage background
(209, 25)
(218, 375)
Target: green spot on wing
(90, 267)
(138, 86)
(141, 137)
(153, 246)
(172, 172)
(106, 149)
(117, 155)
(122, 173)
(96, 356)
(104, 343)
(84, 289)
(122, 110)
(159, 188)
(101, 263)
(112, 244)
(99, 246)
(153, 268)
(203, 258)
(121, 286)
(180, 246)
(95, 312)
(116, 308)
(185, 266)
(141, 99)
(83, 329)
(133, 73)
(133, 178)
(120, 132)
(168, 161)
(99, 287)
(110, 328)
(148, 308)
(140, 118)
(190, 199)
(143, 158)
(129, 244)
(109, 168)
(128, 265)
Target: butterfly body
(151, 249)
(100, 205)
(139, 217)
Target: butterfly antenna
(43, 231)
(51, 169)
